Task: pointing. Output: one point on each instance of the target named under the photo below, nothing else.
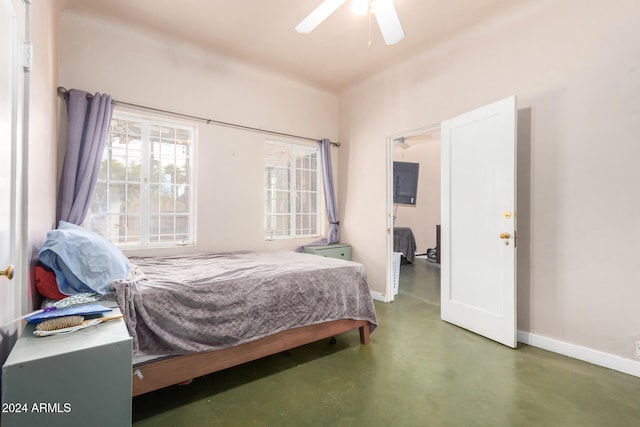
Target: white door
(8, 167)
(478, 230)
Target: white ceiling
(333, 57)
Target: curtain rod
(63, 91)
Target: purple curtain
(329, 198)
(88, 120)
(329, 194)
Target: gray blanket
(404, 242)
(195, 303)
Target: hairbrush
(68, 324)
(59, 323)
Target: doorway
(478, 219)
(415, 217)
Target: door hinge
(27, 56)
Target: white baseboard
(379, 296)
(596, 357)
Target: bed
(405, 243)
(192, 315)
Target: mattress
(203, 302)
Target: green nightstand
(338, 250)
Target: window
(144, 192)
(292, 191)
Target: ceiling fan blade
(388, 21)
(319, 14)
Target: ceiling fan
(384, 11)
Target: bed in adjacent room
(405, 243)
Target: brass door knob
(7, 272)
(505, 235)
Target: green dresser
(338, 250)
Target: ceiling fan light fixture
(359, 7)
(388, 21)
(384, 10)
(318, 15)
(401, 142)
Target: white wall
(149, 69)
(575, 67)
(43, 131)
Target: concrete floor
(417, 371)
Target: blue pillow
(82, 260)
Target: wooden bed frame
(158, 374)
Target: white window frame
(146, 122)
(293, 194)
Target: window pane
(156, 169)
(278, 155)
(134, 168)
(269, 203)
(168, 170)
(291, 171)
(154, 198)
(299, 224)
(183, 136)
(96, 223)
(282, 179)
(283, 225)
(167, 204)
(117, 198)
(158, 155)
(104, 167)
(133, 142)
(167, 224)
(182, 225)
(133, 128)
(133, 199)
(182, 199)
(313, 204)
(118, 168)
(99, 200)
(182, 171)
(154, 228)
(133, 230)
(283, 202)
(268, 177)
(168, 132)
